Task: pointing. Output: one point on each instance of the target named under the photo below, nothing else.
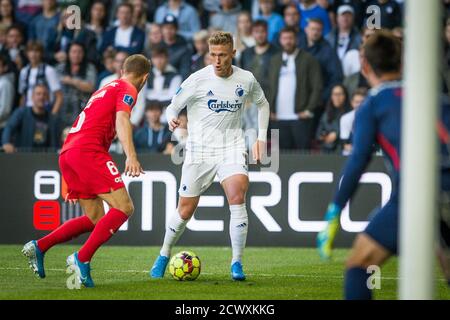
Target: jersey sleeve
(364, 139)
(125, 100)
(256, 93)
(182, 98)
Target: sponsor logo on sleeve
(128, 100)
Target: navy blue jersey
(378, 122)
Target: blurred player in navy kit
(378, 121)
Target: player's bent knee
(127, 208)
(236, 199)
(186, 212)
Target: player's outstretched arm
(363, 140)
(124, 130)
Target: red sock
(69, 230)
(103, 231)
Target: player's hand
(133, 167)
(173, 124)
(9, 148)
(258, 150)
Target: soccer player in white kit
(215, 97)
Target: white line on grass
(210, 274)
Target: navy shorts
(383, 226)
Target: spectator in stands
(294, 92)
(274, 20)
(43, 27)
(163, 81)
(348, 119)
(8, 15)
(345, 36)
(328, 130)
(125, 37)
(78, 78)
(14, 48)
(292, 19)
(212, 6)
(352, 72)
(390, 13)
(310, 9)
(119, 59)
(153, 136)
(140, 14)
(67, 35)
(351, 63)
(226, 18)
(244, 38)
(26, 10)
(107, 65)
(327, 6)
(154, 38)
(34, 128)
(179, 51)
(6, 92)
(187, 17)
(257, 58)
(201, 48)
(98, 20)
(327, 57)
(358, 6)
(38, 72)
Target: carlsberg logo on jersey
(218, 106)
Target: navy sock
(355, 286)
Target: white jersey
(214, 108)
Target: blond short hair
(221, 38)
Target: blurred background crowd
(304, 53)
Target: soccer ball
(185, 265)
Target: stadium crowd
(304, 53)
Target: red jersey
(95, 127)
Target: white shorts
(196, 177)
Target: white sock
(174, 230)
(238, 230)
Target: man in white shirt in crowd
(346, 40)
(126, 36)
(38, 72)
(163, 81)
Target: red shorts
(89, 173)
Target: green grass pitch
(122, 273)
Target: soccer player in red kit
(90, 173)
